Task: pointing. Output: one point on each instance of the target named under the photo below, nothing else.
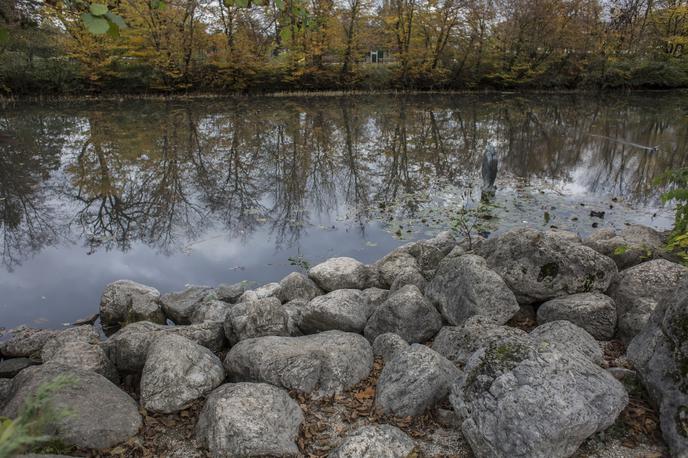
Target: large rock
(567, 338)
(375, 296)
(268, 290)
(633, 245)
(400, 268)
(540, 266)
(413, 381)
(340, 273)
(128, 347)
(458, 343)
(638, 290)
(323, 363)
(520, 400)
(342, 309)
(179, 306)
(256, 318)
(297, 286)
(25, 342)
(407, 313)
(387, 346)
(231, 293)
(5, 390)
(249, 419)
(177, 372)
(464, 286)
(594, 312)
(79, 347)
(375, 441)
(125, 301)
(210, 310)
(98, 414)
(660, 355)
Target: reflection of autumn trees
(163, 173)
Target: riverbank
(446, 342)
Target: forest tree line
(274, 45)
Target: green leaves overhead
(100, 20)
(94, 24)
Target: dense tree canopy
(222, 45)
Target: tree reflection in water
(109, 175)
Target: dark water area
(221, 190)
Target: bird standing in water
(489, 169)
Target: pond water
(208, 191)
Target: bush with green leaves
(26, 432)
(677, 180)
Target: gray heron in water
(489, 169)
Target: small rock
(294, 311)
(101, 415)
(594, 312)
(125, 301)
(256, 318)
(210, 310)
(128, 347)
(465, 286)
(249, 419)
(402, 266)
(297, 286)
(268, 290)
(567, 337)
(177, 372)
(179, 307)
(388, 345)
(25, 342)
(79, 347)
(413, 381)
(342, 309)
(375, 441)
(375, 296)
(340, 273)
(11, 367)
(407, 313)
(230, 293)
(633, 245)
(323, 363)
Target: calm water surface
(212, 191)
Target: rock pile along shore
(428, 331)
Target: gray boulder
(387, 345)
(179, 306)
(25, 342)
(210, 310)
(413, 381)
(375, 441)
(125, 301)
(231, 293)
(539, 266)
(638, 290)
(262, 292)
(458, 343)
(342, 309)
(660, 355)
(407, 313)
(464, 286)
(594, 312)
(256, 318)
(294, 311)
(375, 296)
(322, 364)
(297, 286)
(249, 419)
(99, 415)
(177, 372)
(567, 337)
(79, 347)
(128, 347)
(11, 367)
(520, 400)
(633, 245)
(400, 268)
(340, 273)
(5, 390)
